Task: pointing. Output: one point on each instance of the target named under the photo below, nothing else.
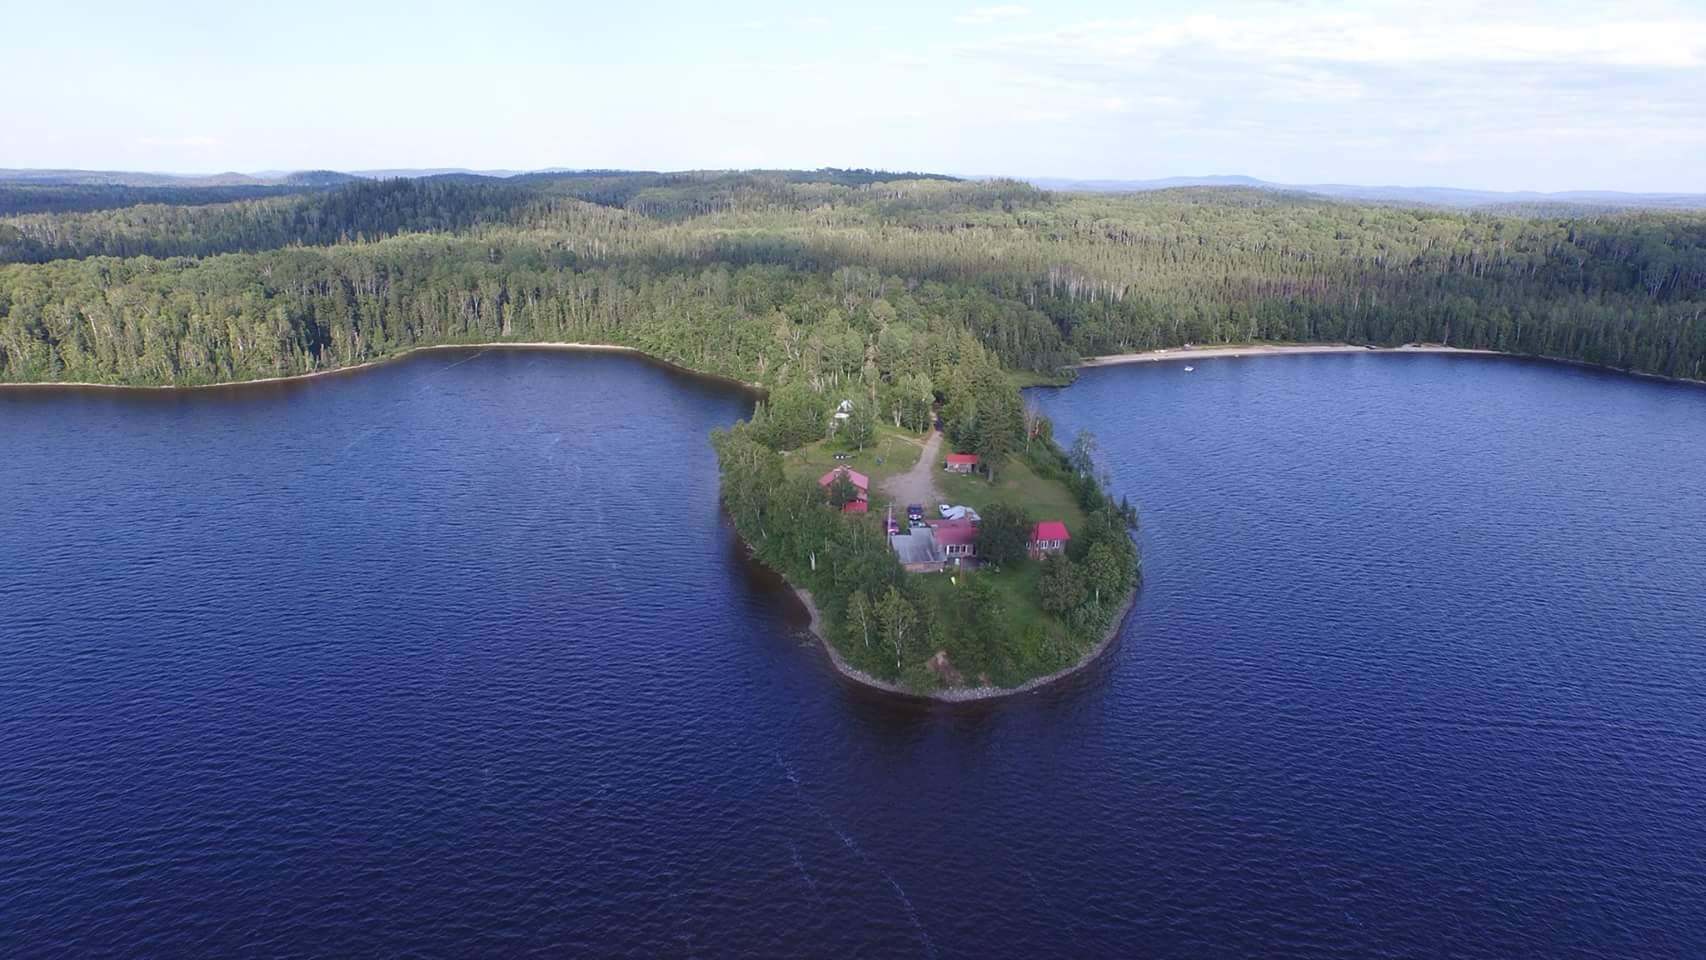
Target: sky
(1512, 95)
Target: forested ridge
(812, 275)
(32, 197)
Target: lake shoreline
(1300, 349)
(955, 694)
(847, 670)
(1160, 355)
(393, 358)
(1270, 349)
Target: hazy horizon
(1047, 181)
(1466, 94)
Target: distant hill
(317, 178)
(326, 178)
(1530, 203)
(123, 178)
(1424, 196)
(419, 173)
(129, 178)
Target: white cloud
(987, 15)
(1672, 42)
(1290, 81)
(192, 140)
(1466, 92)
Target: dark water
(457, 658)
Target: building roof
(1050, 530)
(954, 532)
(917, 545)
(859, 480)
(856, 506)
(961, 458)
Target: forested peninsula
(889, 299)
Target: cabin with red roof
(1047, 537)
(957, 538)
(960, 462)
(861, 482)
(861, 486)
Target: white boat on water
(1190, 369)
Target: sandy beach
(1267, 350)
(1183, 354)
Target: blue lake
(458, 657)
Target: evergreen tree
(1002, 533)
(842, 491)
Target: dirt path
(917, 485)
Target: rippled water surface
(456, 657)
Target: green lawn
(1020, 652)
(1015, 485)
(1031, 641)
(1031, 378)
(892, 451)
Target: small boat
(1190, 369)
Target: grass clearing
(1023, 379)
(1029, 642)
(890, 452)
(1016, 485)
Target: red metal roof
(859, 480)
(856, 506)
(1050, 530)
(962, 458)
(954, 531)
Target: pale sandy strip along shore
(1292, 349)
(335, 371)
(1269, 349)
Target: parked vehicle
(915, 511)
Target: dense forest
(17, 198)
(810, 277)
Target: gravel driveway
(917, 485)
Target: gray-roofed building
(917, 550)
